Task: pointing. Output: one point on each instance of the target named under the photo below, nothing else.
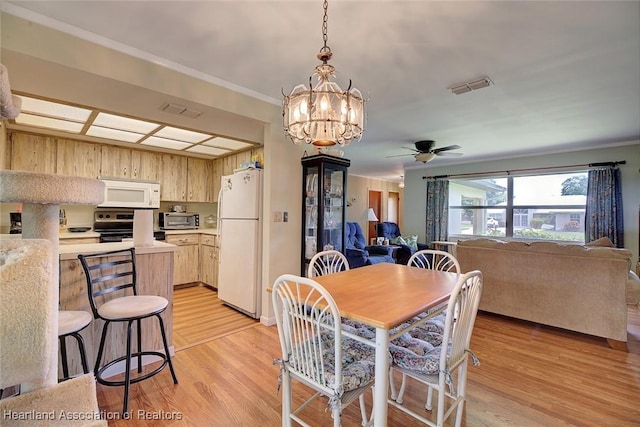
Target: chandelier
(323, 115)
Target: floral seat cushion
(421, 355)
(358, 362)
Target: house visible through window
(546, 207)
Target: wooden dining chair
(327, 262)
(315, 351)
(443, 366)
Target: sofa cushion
(354, 237)
(603, 241)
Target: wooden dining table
(385, 296)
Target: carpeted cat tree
(29, 293)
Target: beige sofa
(574, 287)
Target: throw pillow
(411, 241)
(398, 241)
(603, 241)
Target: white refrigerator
(240, 241)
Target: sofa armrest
(356, 257)
(379, 250)
(422, 246)
(403, 254)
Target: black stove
(115, 225)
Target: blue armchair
(390, 230)
(358, 253)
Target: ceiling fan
(426, 151)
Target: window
(546, 207)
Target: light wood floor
(530, 375)
(199, 316)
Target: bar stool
(107, 274)
(70, 323)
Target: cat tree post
(41, 196)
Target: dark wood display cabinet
(324, 189)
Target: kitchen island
(154, 266)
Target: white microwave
(130, 194)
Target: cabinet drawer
(207, 239)
(183, 239)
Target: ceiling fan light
(425, 157)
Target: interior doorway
(375, 203)
(393, 207)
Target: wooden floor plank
(529, 376)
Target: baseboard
(267, 321)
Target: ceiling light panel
(227, 143)
(118, 135)
(52, 109)
(124, 123)
(165, 143)
(204, 149)
(182, 134)
(46, 122)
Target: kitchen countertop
(79, 235)
(72, 251)
(91, 233)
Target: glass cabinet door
(323, 214)
(310, 216)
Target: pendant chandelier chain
(325, 52)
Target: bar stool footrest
(162, 357)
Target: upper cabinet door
(199, 180)
(76, 158)
(173, 178)
(33, 153)
(144, 165)
(115, 162)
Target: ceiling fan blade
(412, 149)
(447, 154)
(450, 147)
(399, 155)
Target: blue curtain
(603, 217)
(437, 210)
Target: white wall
(415, 186)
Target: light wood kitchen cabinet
(144, 165)
(216, 180)
(173, 178)
(209, 260)
(76, 158)
(119, 162)
(115, 162)
(187, 258)
(33, 153)
(199, 180)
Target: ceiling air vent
(180, 110)
(472, 85)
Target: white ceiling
(566, 73)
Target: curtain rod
(509, 172)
